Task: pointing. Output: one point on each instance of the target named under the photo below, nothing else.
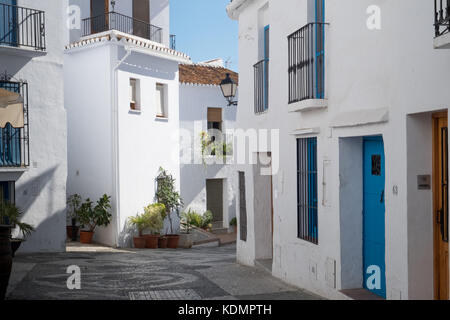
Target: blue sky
(204, 31)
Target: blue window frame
(320, 48)
(10, 138)
(8, 23)
(307, 198)
(266, 66)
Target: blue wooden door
(8, 23)
(374, 216)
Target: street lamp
(229, 88)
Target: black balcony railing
(307, 63)
(441, 17)
(261, 70)
(122, 23)
(173, 42)
(14, 142)
(22, 27)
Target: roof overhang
(235, 7)
(134, 43)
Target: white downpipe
(115, 139)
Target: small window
(161, 100)
(307, 204)
(135, 95)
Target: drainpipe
(115, 138)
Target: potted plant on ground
(233, 225)
(5, 250)
(154, 214)
(12, 213)
(92, 217)
(140, 222)
(167, 195)
(74, 203)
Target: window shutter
(214, 115)
(242, 207)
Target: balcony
(307, 67)
(119, 22)
(22, 28)
(14, 137)
(261, 71)
(442, 24)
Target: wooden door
(141, 16)
(99, 16)
(440, 191)
(214, 198)
(374, 214)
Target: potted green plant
(207, 219)
(73, 207)
(140, 222)
(5, 249)
(233, 225)
(92, 217)
(166, 194)
(12, 214)
(154, 214)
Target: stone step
(219, 231)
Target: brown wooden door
(99, 17)
(440, 156)
(141, 14)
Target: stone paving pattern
(210, 273)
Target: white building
(122, 90)
(360, 101)
(207, 182)
(33, 147)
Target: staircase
(217, 228)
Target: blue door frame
(374, 213)
(8, 23)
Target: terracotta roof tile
(206, 75)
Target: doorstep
(360, 294)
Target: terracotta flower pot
(86, 237)
(72, 232)
(139, 242)
(5, 259)
(151, 241)
(162, 242)
(172, 241)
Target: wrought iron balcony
(307, 63)
(173, 42)
(22, 27)
(261, 70)
(14, 142)
(117, 21)
(441, 17)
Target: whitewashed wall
(395, 68)
(41, 189)
(194, 103)
(145, 143)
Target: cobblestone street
(109, 274)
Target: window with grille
(307, 204)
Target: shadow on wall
(156, 7)
(50, 233)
